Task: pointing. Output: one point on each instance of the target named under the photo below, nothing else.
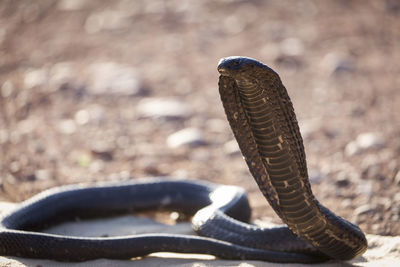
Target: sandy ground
(93, 91)
(382, 251)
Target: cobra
(264, 124)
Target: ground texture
(100, 90)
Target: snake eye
(235, 63)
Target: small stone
(102, 151)
(110, 78)
(26, 126)
(163, 108)
(71, 5)
(231, 148)
(15, 166)
(292, 47)
(43, 174)
(186, 137)
(315, 177)
(95, 166)
(370, 141)
(364, 142)
(336, 63)
(4, 136)
(7, 89)
(352, 149)
(67, 126)
(364, 209)
(342, 182)
(82, 117)
(34, 78)
(61, 74)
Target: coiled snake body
(262, 118)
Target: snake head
(237, 67)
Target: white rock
(7, 89)
(61, 73)
(71, 5)
(82, 117)
(34, 78)
(188, 137)
(370, 141)
(232, 148)
(363, 142)
(106, 78)
(163, 108)
(292, 47)
(67, 126)
(352, 149)
(43, 174)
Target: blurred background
(109, 90)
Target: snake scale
(264, 124)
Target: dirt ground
(93, 90)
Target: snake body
(262, 118)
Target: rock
(352, 149)
(336, 63)
(27, 126)
(4, 136)
(364, 142)
(71, 5)
(186, 137)
(110, 78)
(342, 182)
(163, 108)
(370, 141)
(61, 74)
(67, 126)
(82, 117)
(292, 47)
(102, 151)
(364, 209)
(7, 89)
(231, 148)
(43, 174)
(315, 177)
(35, 77)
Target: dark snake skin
(263, 121)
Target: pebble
(364, 209)
(82, 117)
(71, 5)
(292, 47)
(166, 108)
(336, 63)
(102, 151)
(186, 137)
(342, 182)
(42, 174)
(231, 148)
(67, 126)
(7, 89)
(111, 78)
(61, 74)
(34, 78)
(370, 140)
(364, 142)
(315, 177)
